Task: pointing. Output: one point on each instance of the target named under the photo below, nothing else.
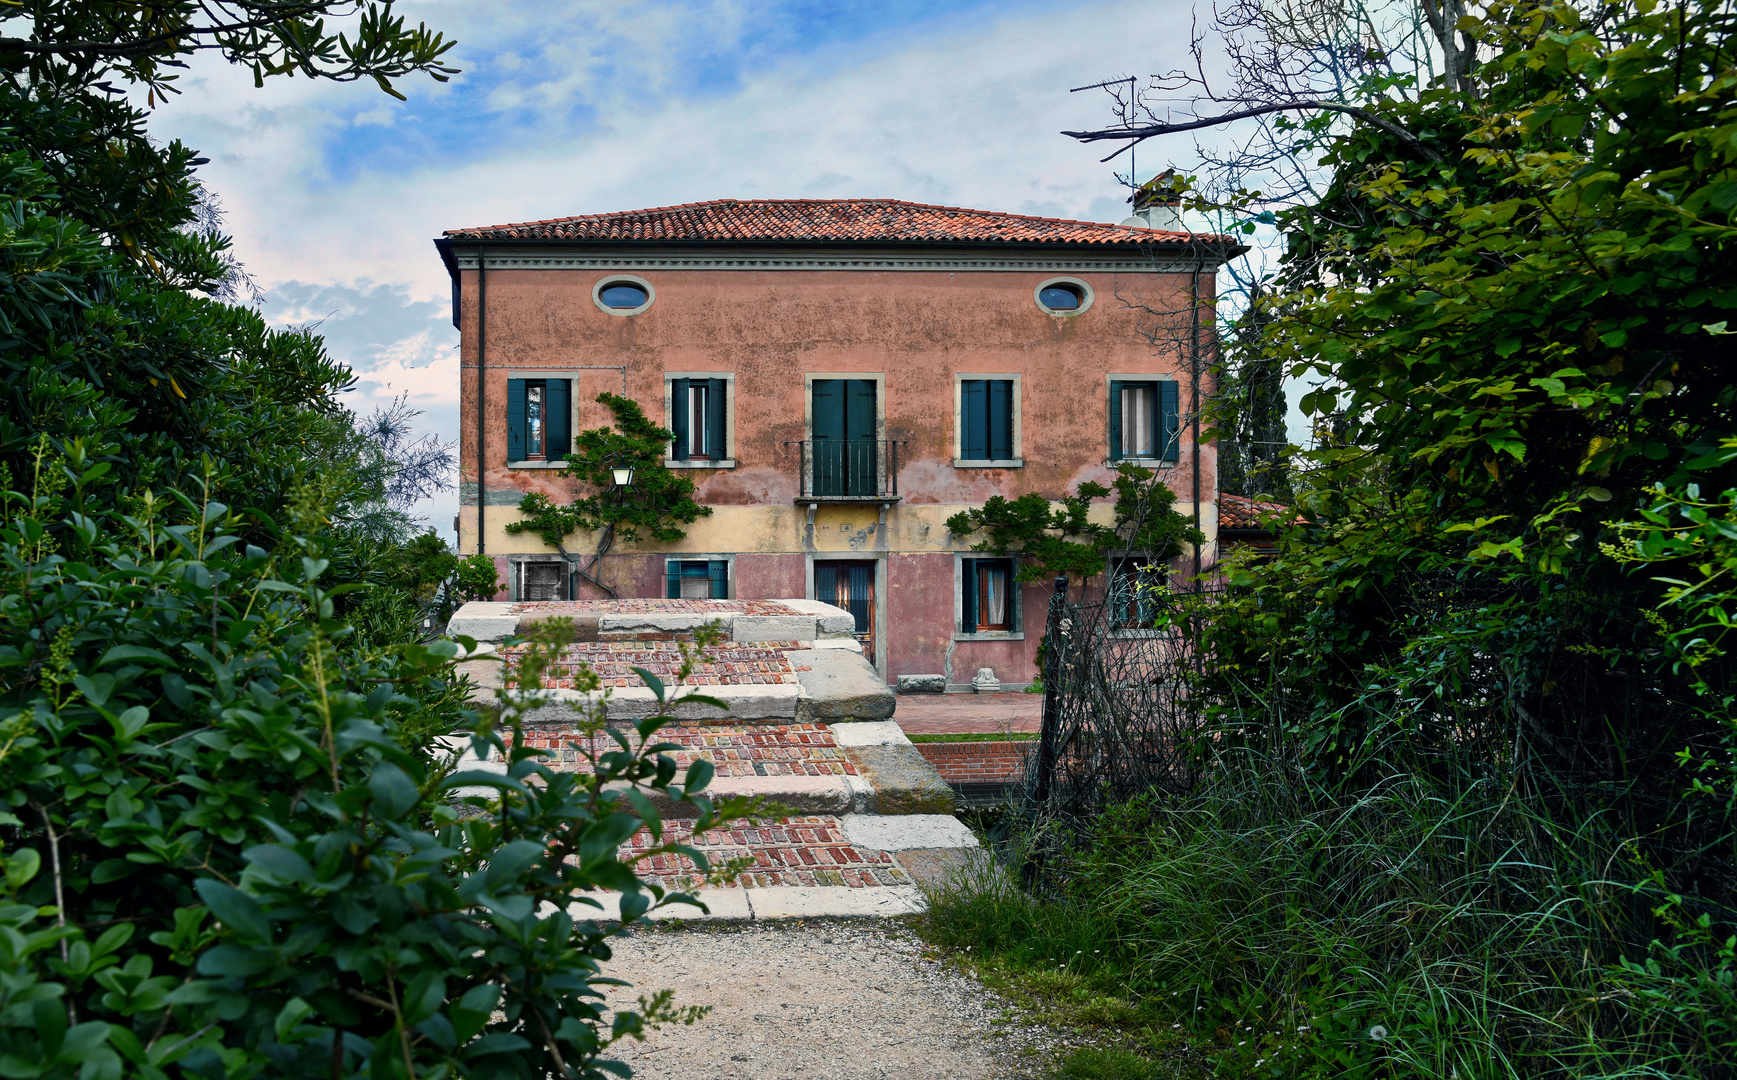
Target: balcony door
(851, 586)
(846, 453)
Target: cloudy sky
(334, 192)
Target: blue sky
(334, 192)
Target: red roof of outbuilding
(825, 219)
(1242, 512)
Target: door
(846, 455)
(851, 586)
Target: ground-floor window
(1137, 584)
(541, 580)
(699, 579)
(988, 596)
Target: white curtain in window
(1138, 409)
(698, 437)
(696, 588)
(994, 595)
(534, 421)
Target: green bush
(234, 846)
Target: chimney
(1157, 205)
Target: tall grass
(1417, 927)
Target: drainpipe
(1194, 403)
(481, 385)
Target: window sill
(721, 463)
(1143, 462)
(991, 635)
(996, 463)
(537, 464)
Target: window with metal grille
(542, 581)
(699, 579)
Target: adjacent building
(841, 377)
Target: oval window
(1060, 297)
(622, 294)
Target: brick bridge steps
(807, 725)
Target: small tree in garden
(655, 505)
(1052, 540)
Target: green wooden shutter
(558, 418)
(716, 400)
(719, 571)
(826, 583)
(1116, 421)
(1169, 437)
(674, 573)
(973, 420)
(859, 420)
(967, 596)
(828, 409)
(1000, 416)
(515, 419)
(678, 418)
(830, 449)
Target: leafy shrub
(231, 848)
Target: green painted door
(846, 454)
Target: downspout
(481, 387)
(1194, 403)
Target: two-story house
(841, 376)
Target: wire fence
(1122, 713)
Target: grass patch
(974, 736)
(1409, 930)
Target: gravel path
(839, 1000)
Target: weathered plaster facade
(772, 313)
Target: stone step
(814, 768)
(810, 866)
(782, 679)
(656, 619)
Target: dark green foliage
(231, 837)
(1466, 804)
(1057, 540)
(80, 42)
(659, 501)
(235, 836)
(476, 579)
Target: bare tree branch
(1137, 135)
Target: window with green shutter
(698, 419)
(1143, 419)
(988, 596)
(986, 419)
(539, 419)
(698, 579)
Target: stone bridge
(808, 723)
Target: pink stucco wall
(916, 328)
(769, 328)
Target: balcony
(848, 470)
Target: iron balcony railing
(847, 469)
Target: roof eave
(1221, 248)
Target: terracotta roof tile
(1242, 512)
(823, 219)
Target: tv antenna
(1128, 109)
